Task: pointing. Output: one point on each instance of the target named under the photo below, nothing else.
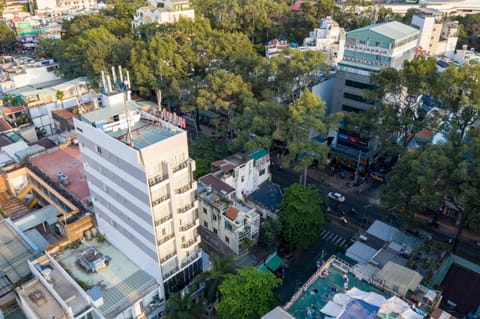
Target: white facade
(244, 173)
(41, 102)
(143, 189)
(329, 38)
(232, 222)
(437, 36)
(163, 11)
(64, 5)
(22, 72)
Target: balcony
(189, 259)
(167, 257)
(170, 273)
(180, 167)
(244, 233)
(157, 180)
(191, 242)
(184, 189)
(189, 226)
(164, 239)
(160, 200)
(163, 220)
(186, 208)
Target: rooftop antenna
(114, 76)
(129, 129)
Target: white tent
(341, 299)
(356, 293)
(374, 299)
(331, 309)
(410, 314)
(393, 305)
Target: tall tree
(306, 120)
(458, 93)
(213, 278)
(416, 181)
(293, 71)
(397, 112)
(182, 307)
(258, 125)
(227, 93)
(7, 38)
(248, 294)
(302, 215)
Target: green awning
(274, 262)
(263, 268)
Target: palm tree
(214, 277)
(182, 307)
(60, 95)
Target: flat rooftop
(146, 129)
(41, 301)
(121, 282)
(462, 287)
(14, 253)
(322, 291)
(67, 160)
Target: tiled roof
(216, 184)
(232, 213)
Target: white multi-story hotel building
(143, 191)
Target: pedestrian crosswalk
(337, 240)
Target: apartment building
(244, 173)
(329, 39)
(438, 36)
(143, 191)
(93, 280)
(367, 50)
(163, 11)
(235, 224)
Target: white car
(336, 197)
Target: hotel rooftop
(145, 128)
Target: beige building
(163, 11)
(438, 36)
(397, 279)
(329, 39)
(235, 224)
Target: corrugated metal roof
(393, 30)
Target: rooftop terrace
(121, 282)
(145, 128)
(317, 292)
(40, 301)
(67, 160)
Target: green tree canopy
(213, 278)
(397, 114)
(8, 39)
(248, 294)
(418, 181)
(307, 120)
(182, 307)
(302, 215)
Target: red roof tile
(232, 213)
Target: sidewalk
(370, 189)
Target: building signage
(173, 118)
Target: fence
(309, 282)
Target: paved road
(366, 205)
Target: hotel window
(205, 224)
(227, 240)
(98, 149)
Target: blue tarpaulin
(357, 308)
